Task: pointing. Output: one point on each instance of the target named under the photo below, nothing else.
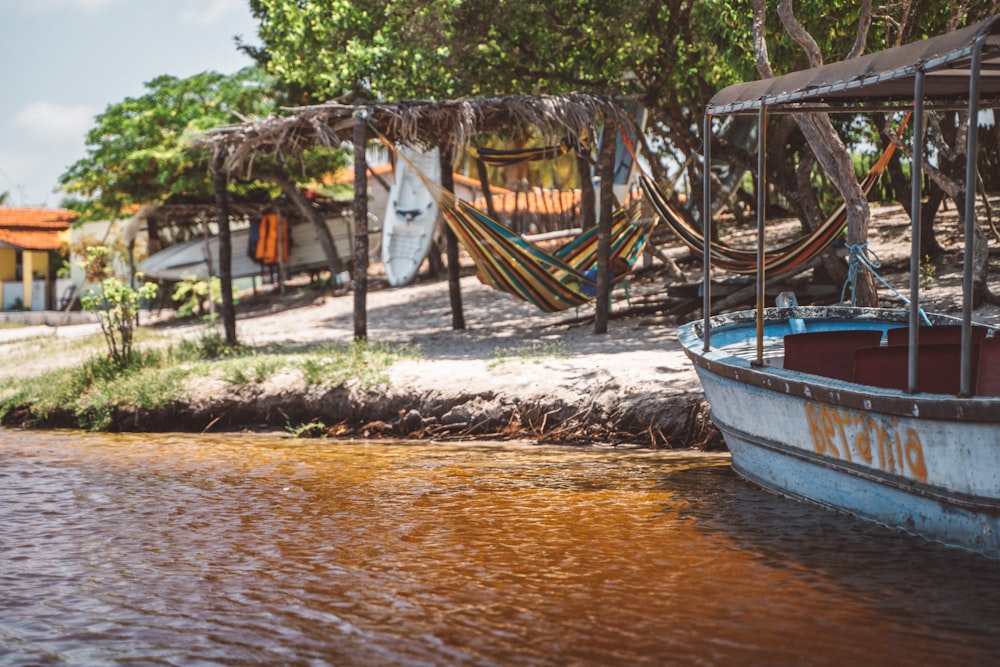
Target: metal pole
(761, 205)
(706, 224)
(915, 191)
(972, 147)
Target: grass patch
(535, 353)
(92, 390)
(368, 363)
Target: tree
(325, 49)
(819, 132)
(947, 133)
(138, 151)
(673, 54)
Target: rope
(859, 259)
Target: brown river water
(261, 550)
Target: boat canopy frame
(958, 70)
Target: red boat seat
(828, 353)
(939, 367)
(988, 368)
(934, 335)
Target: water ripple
(251, 550)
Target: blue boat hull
(925, 463)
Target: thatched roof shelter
(449, 125)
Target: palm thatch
(449, 123)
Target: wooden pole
(484, 183)
(588, 217)
(220, 181)
(451, 246)
(360, 227)
(606, 163)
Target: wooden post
(220, 181)
(360, 226)
(484, 183)
(606, 163)
(588, 218)
(451, 246)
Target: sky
(63, 62)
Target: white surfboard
(410, 219)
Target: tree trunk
(606, 163)
(929, 246)
(484, 183)
(451, 246)
(220, 180)
(822, 137)
(980, 266)
(832, 155)
(809, 210)
(360, 230)
(308, 212)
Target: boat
(889, 414)
(411, 214)
(199, 257)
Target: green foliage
(190, 295)
(93, 390)
(139, 150)
(116, 306)
(313, 429)
(321, 49)
(928, 272)
(251, 369)
(212, 345)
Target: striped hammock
(551, 281)
(780, 260)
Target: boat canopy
(957, 70)
(883, 77)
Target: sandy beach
(511, 362)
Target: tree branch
(759, 41)
(864, 24)
(786, 12)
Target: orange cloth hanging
(273, 235)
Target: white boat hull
(191, 259)
(410, 219)
(925, 463)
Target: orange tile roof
(347, 175)
(31, 240)
(539, 202)
(34, 228)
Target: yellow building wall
(33, 263)
(8, 267)
(8, 264)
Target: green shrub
(116, 306)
